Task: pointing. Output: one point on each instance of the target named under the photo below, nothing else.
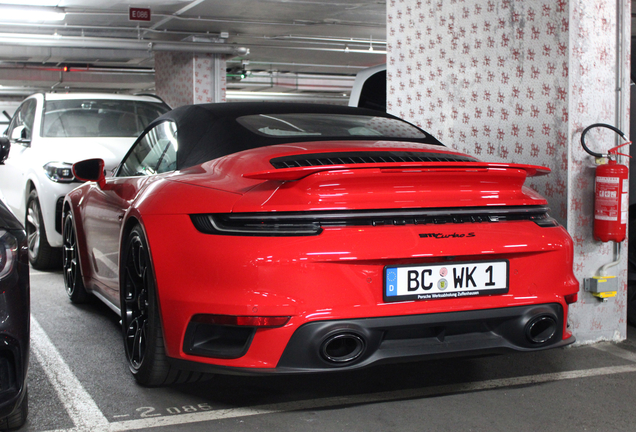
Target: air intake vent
(346, 158)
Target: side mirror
(19, 134)
(5, 147)
(90, 170)
(16, 133)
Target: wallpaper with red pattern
(517, 81)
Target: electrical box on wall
(602, 287)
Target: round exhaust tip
(342, 348)
(541, 329)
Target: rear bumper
(338, 277)
(410, 338)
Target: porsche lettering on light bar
(312, 223)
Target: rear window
(329, 126)
(99, 117)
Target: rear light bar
(312, 223)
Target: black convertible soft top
(209, 131)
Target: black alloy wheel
(41, 255)
(70, 263)
(136, 286)
(143, 337)
(141, 320)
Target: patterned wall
(185, 78)
(489, 78)
(515, 81)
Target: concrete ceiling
(299, 47)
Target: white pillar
(186, 78)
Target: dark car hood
(7, 219)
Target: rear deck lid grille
(347, 158)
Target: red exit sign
(139, 14)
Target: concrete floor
(79, 382)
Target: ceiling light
(32, 2)
(31, 13)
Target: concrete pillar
(186, 78)
(517, 81)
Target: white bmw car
(47, 134)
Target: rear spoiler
(297, 173)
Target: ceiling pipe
(5, 65)
(318, 65)
(324, 39)
(113, 43)
(195, 47)
(346, 49)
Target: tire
(73, 281)
(17, 418)
(141, 320)
(41, 255)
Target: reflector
(247, 321)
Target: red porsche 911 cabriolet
(280, 238)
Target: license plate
(445, 281)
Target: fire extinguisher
(611, 201)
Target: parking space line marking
(334, 402)
(86, 415)
(81, 407)
(616, 350)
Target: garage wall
(517, 81)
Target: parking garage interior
(507, 81)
